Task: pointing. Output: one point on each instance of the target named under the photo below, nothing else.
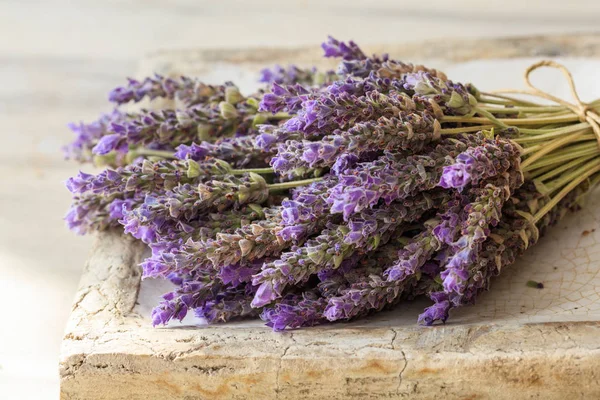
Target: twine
(581, 109)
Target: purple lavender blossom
(231, 303)
(89, 212)
(239, 151)
(188, 90)
(335, 48)
(146, 176)
(409, 131)
(436, 312)
(365, 231)
(448, 97)
(88, 135)
(295, 311)
(294, 75)
(284, 98)
(394, 176)
(489, 159)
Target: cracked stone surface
(516, 342)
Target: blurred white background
(59, 59)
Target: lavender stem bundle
(327, 196)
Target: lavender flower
(232, 303)
(89, 212)
(446, 97)
(294, 311)
(397, 274)
(306, 212)
(365, 231)
(239, 151)
(409, 131)
(88, 135)
(394, 176)
(484, 212)
(188, 90)
(146, 176)
(187, 202)
(480, 163)
(285, 98)
(195, 291)
(294, 75)
(343, 104)
(349, 51)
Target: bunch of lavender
(328, 196)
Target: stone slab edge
(109, 352)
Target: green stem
(582, 174)
(567, 177)
(552, 134)
(512, 100)
(513, 121)
(453, 131)
(527, 110)
(292, 184)
(566, 155)
(565, 167)
(277, 116)
(155, 153)
(260, 171)
(551, 146)
(490, 116)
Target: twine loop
(581, 109)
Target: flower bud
(233, 95)
(228, 111)
(193, 170)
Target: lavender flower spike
(394, 176)
(480, 163)
(365, 231)
(335, 48)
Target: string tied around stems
(585, 112)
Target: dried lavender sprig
(287, 98)
(89, 212)
(304, 213)
(238, 151)
(283, 225)
(88, 135)
(444, 97)
(480, 163)
(398, 273)
(146, 176)
(356, 63)
(348, 51)
(186, 89)
(483, 213)
(294, 311)
(395, 176)
(249, 242)
(295, 75)
(269, 136)
(176, 239)
(187, 202)
(194, 292)
(168, 127)
(345, 103)
(232, 303)
(364, 232)
(508, 241)
(408, 131)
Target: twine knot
(581, 109)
